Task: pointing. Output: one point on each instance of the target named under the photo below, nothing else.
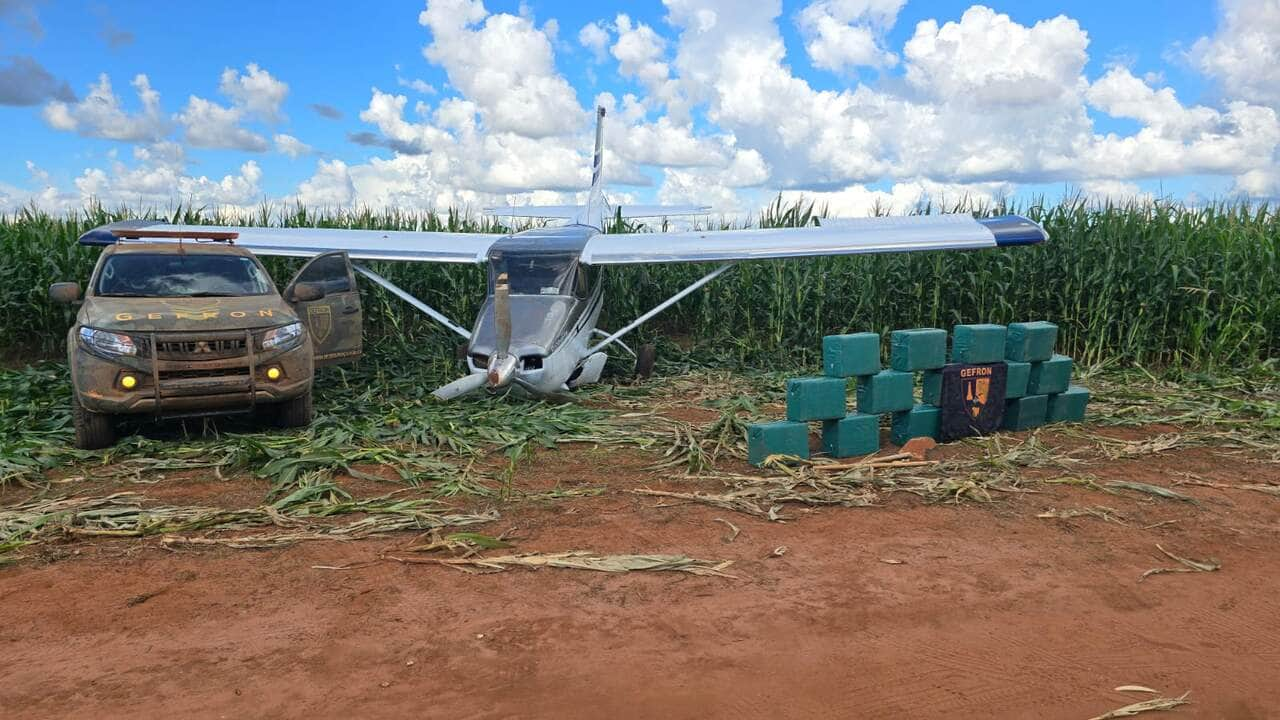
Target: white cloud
(505, 65)
(418, 85)
(1176, 140)
(1243, 55)
(1260, 183)
(974, 105)
(640, 53)
(101, 115)
(594, 38)
(843, 34)
(159, 184)
(331, 186)
(987, 58)
(291, 146)
(256, 91)
(1245, 52)
(210, 125)
(902, 198)
(1116, 192)
(255, 94)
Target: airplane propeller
(461, 386)
(502, 364)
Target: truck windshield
(181, 275)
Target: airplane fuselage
(554, 304)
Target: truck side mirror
(64, 292)
(307, 292)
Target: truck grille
(226, 373)
(203, 349)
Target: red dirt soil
(904, 610)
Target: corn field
(1157, 284)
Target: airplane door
(335, 320)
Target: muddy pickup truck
(184, 329)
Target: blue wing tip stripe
(1012, 230)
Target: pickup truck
(182, 329)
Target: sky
(861, 105)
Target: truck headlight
(107, 343)
(283, 337)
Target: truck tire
(296, 412)
(94, 431)
(646, 356)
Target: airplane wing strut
(660, 307)
(407, 297)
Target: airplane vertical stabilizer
(593, 213)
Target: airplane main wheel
(646, 356)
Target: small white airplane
(537, 329)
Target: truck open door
(334, 319)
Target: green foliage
(1155, 284)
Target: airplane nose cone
(501, 371)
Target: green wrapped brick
(1050, 376)
(851, 355)
(1030, 341)
(1067, 406)
(1025, 413)
(1015, 379)
(776, 438)
(854, 434)
(931, 387)
(977, 343)
(885, 392)
(815, 398)
(919, 349)
(919, 421)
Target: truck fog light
(273, 373)
(128, 382)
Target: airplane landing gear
(646, 356)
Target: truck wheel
(94, 431)
(646, 356)
(296, 412)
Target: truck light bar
(191, 234)
(142, 229)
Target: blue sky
(333, 54)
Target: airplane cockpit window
(536, 274)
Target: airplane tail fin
(593, 213)
(596, 212)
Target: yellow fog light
(273, 373)
(128, 382)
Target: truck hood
(132, 315)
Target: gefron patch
(320, 322)
(972, 399)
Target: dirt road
(900, 610)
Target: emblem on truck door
(320, 321)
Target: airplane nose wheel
(646, 356)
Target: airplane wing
(572, 211)
(833, 237)
(442, 247)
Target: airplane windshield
(535, 273)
